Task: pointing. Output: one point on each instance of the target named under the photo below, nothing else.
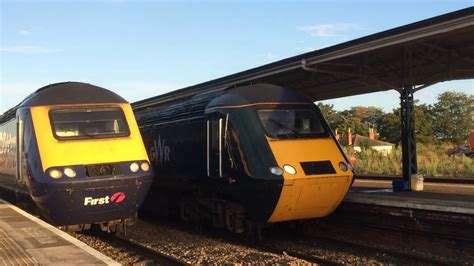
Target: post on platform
(408, 139)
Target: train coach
(243, 157)
(76, 150)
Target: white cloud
(329, 30)
(28, 49)
(24, 32)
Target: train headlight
(56, 174)
(145, 166)
(276, 170)
(69, 172)
(289, 169)
(343, 166)
(134, 167)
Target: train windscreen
(291, 123)
(88, 123)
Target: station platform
(449, 198)
(27, 240)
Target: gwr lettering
(98, 201)
(160, 152)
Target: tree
(367, 114)
(452, 119)
(329, 114)
(360, 119)
(388, 126)
(424, 124)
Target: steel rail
(165, 258)
(287, 252)
(307, 241)
(427, 179)
(390, 252)
(153, 256)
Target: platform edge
(107, 260)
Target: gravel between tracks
(112, 249)
(198, 248)
(216, 248)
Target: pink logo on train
(117, 197)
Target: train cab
(279, 136)
(79, 155)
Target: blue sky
(144, 48)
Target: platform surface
(27, 240)
(453, 198)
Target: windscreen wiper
(92, 136)
(285, 127)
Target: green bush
(433, 160)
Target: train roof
(198, 105)
(65, 93)
(257, 93)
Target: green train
(243, 156)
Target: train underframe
(208, 208)
(112, 226)
(217, 212)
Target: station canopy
(418, 54)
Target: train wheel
(235, 218)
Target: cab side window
(24, 137)
(215, 145)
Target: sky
(141, 49)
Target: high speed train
(76, 150)
(242, 157)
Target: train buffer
(27, 240)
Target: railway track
(142, 253)
(427, 179)
(390, 252)
(320, 260)
(431, 237)
(282, 244)
(160, 257)
(308, 244)
(321, 251)
(309, 248)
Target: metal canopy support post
(408, 139)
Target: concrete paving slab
(27, 240)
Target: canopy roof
(418, 54)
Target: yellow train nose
(316, 178)
(305, 198)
